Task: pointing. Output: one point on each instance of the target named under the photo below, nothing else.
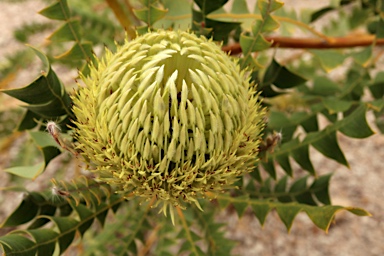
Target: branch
(122, 18)
(313, 43)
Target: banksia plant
(173, 117)
(170, 116)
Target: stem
(187, 230)
(313, 43)
(122, 18)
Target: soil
(361, 185)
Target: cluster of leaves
(297, 91)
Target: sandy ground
(361, 185)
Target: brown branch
(313, 43)
(122, 18)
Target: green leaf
(241, 206)
(301, 156)
(253, 43)
(380, 28)
(44, 239)
(77, 52)
(327, 215)
(150, 13)
(285, 164)
(319, 13)
(56, 11)
(86, 216)
(320, 187)
(49, 150)
(321, 216)
(26, 211)
(325, 87)
(208, 6)
(28, 121)
(281, 77)
(325, 141)
(210, 28)
(178, 15)
(17, 245)
(269, 167)
(335, 105)
(29, 172)
(364, 56)
(329, 59)
(300, 192)
(280, 189)
(67, 227)
(355, 125)
(69, 31)
(261, 211)
(287, 213)
(46, 96)
(268, 6)
(377, 88)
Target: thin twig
(313, 43)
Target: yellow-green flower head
(170, 116)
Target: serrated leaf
(28, 121)
(239, 7)
(320, 187)
(44, 93)
(324, 86)
(377, 88)
(29, 172)
(270, 24)
(17, 245)
(48, 210)
(280, 190)
(25, 212)
(69, 31)
(364, 56)
(268, 6)
(150, 14)
(56, 11)
(283, 160)
(287, 213)
(86, 216)
(67, 227)
(241, 206)
(319, 13)
(301, 193)
(325, 142)
(208, 6)
(49, 150)
(329, 59)
(178, 15)
(320, 215)
(301, 156)
(77, 52)
(269, 167)
(216, 29)
(335, 105)
(281, 77)
(380, 28)
(261, 211)
(253, 43)
(44, 240)
(355, 125)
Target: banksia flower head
(169, 115)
